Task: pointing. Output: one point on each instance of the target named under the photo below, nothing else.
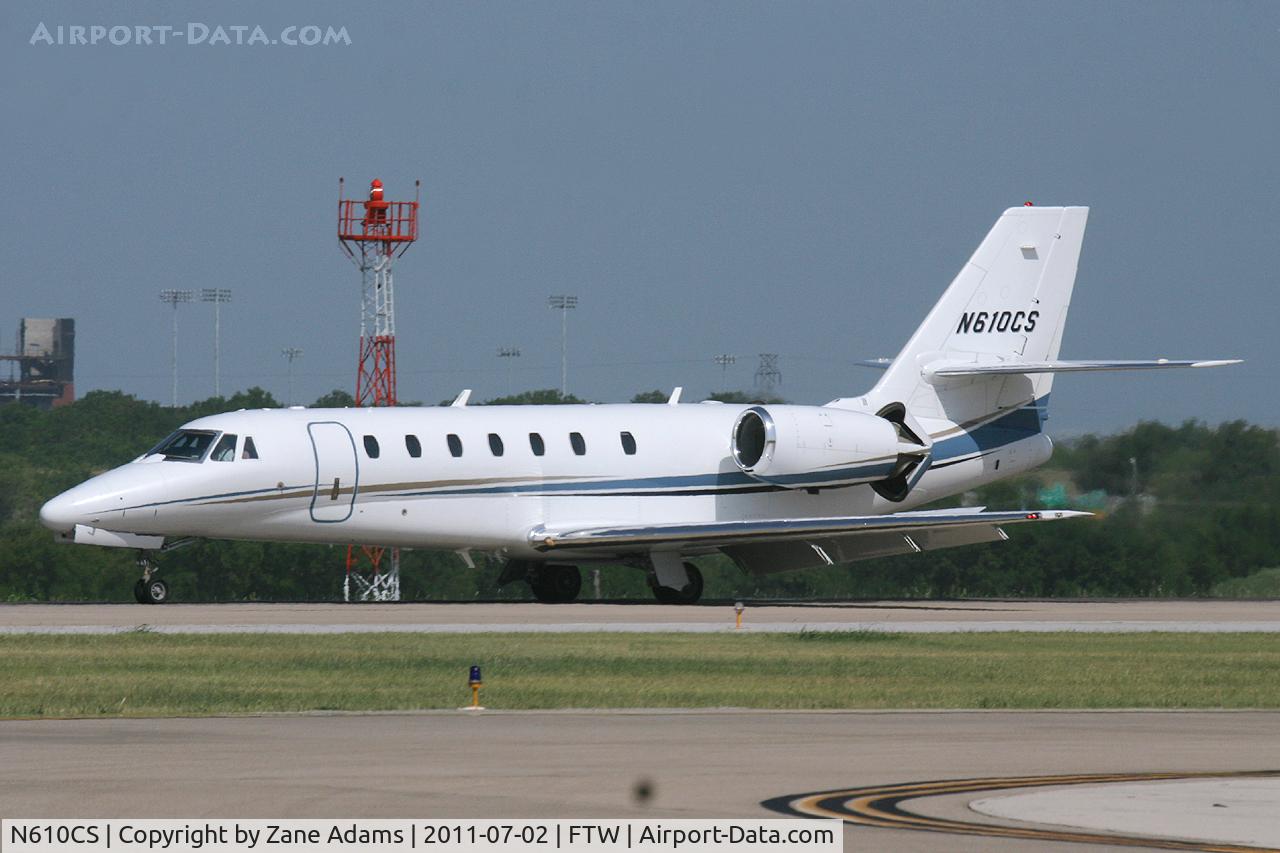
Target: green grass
(1261, 584)
(147, 674)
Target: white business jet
(647, 486)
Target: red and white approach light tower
(373, 233)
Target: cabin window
(536, 444)
(455, 444)
(628, 444)
(185, 445)
(495, 443)
(412, 445)
(225, 451)
(579, 446)
(250, 450)
(371, 447)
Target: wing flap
(763, 558)
(770, 557)
(766, 557)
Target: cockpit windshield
(185, 445)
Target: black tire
(565, 583)
(552, 584)
(140, 592)
(689, 594)
(156, 591)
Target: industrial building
(42, 368)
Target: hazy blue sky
(799, 178)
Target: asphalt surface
(908, 616)
(589, 764)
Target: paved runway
(1189, 616)
(587, 764)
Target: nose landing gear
(150, 589)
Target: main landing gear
(150, 589)
(672, 581)
(687, 594)
(553, 583)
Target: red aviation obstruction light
(377, 220)
(373, 232)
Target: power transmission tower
(218, 296)
(175, 298)
(768, 376)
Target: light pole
(175, 298)
(509, 353)
(216, 295)
(724, 360)
(291, 353)
(563, 303)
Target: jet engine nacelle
(806, 447)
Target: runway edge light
(738, 607)
(473, 680)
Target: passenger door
(337, 472)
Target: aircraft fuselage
(351, 475)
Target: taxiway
(1185, 616)
(696, 764)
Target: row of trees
(1189, 507)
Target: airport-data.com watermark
(194, 33)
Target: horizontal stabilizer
(716, 534)
(949, 369)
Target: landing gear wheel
(553, 584)
(155, 591)
(150, 589)
(688, 594)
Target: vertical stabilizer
(1008, 304)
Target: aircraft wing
(771, 545)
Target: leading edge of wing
(737, 532)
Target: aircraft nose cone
(59, 513)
